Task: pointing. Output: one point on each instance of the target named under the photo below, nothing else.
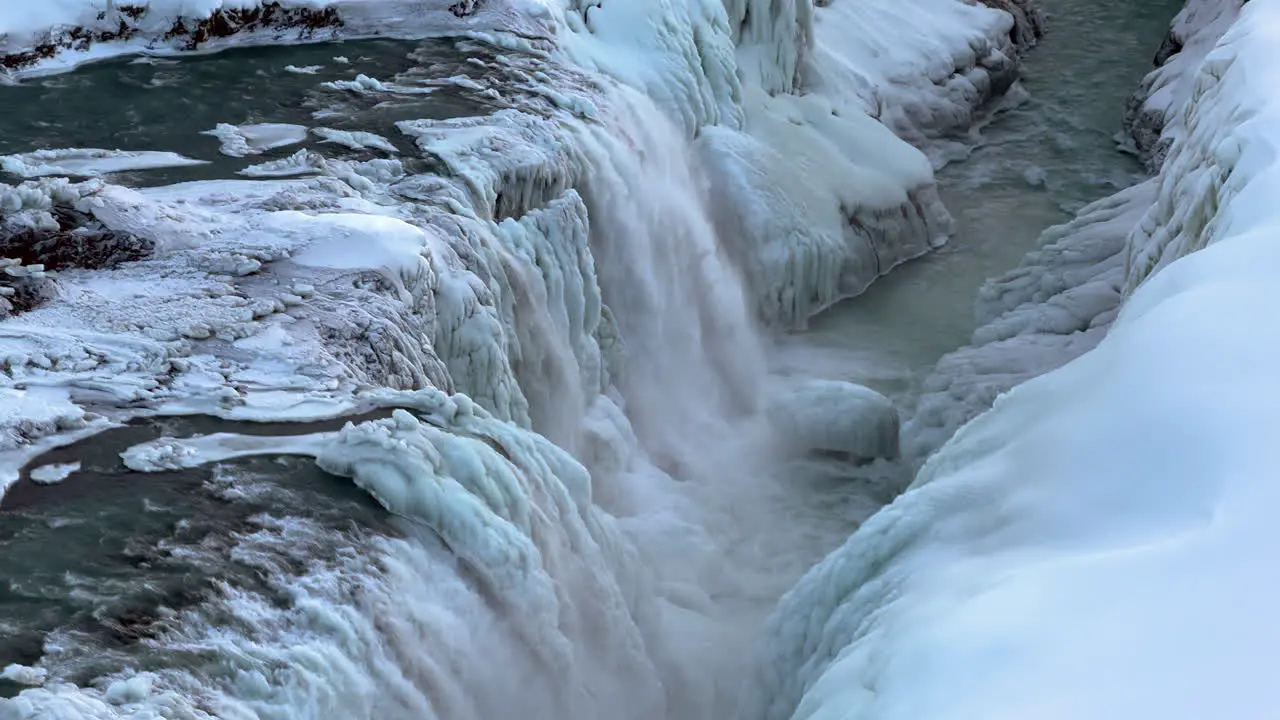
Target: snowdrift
(1097, 544)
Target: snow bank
(1218, 172)
(1097, 544)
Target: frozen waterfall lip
(60, 35)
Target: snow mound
(838, 417)
(255, 139)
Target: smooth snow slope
(1099, 543)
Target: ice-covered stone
(838, 418)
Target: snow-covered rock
(831, 416)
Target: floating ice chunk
(24, 675)
(841, 417)
(355, 139)
(300, 163)
(169, 453)
(241, 140)
(341, 60)
(53, 474)
(361, 84)
(304, 70)
(90, 162)
(129, 690)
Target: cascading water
(514, 578)
(592, 515)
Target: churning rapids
(583, 472)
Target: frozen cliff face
(1221, 148)
(923, 68)
(1028, 20)
(1055, 306)
(835, 200)
(1082, 548)
(1152, 114)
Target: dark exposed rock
(183, 34)
(1028, 21)
(78, 242)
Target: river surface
(94, 569)
(1050, 149)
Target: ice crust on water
(1096, 544)
(89, 162)
(256, 138)
(1055, 306)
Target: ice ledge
(64, 33)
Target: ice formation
(256, 138)
(838, 417)
(89, 162)
(1152, 116)
(1095, 545)
(552, 314)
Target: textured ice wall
(1221, 145)
(1152, 116)
(1082, 548)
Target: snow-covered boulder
(834, 417)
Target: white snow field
(1098, 544)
